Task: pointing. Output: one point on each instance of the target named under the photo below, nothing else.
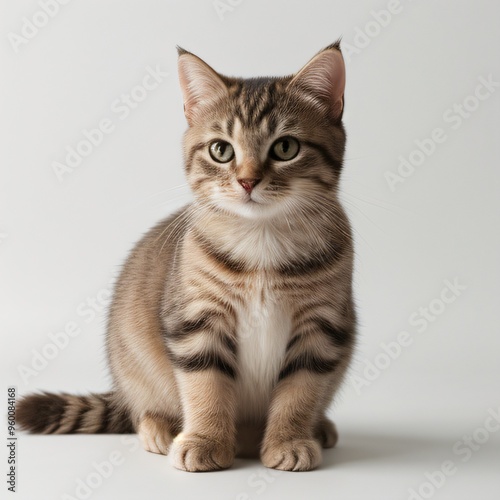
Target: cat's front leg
(314, 365)
(207, 441)
(204, 358)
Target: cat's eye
(285, 149)
(221, 151)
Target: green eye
(221, 151)
(285, 149)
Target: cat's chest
(263, 332)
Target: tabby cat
(233, 322)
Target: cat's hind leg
(156, 433)
(326, 433)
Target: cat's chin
(249, 209)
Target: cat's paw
(195, 453)
(155, 435)
(326, 433)
(293, 455)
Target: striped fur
(233, 320)
(48, 413)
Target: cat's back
(144, 274)
(134, 343)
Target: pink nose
(248, 184)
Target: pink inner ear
(200, 85)
(187, 94)
(324, 77)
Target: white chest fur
(263, 332)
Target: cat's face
(264, 146)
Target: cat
(233, 322)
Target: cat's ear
(201, 86)
(323, 77)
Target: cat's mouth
(249, 199)
(255, 197)
(247, 205)
(260, 202)
(257, 202)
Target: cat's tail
(49, 413)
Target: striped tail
(49, 413)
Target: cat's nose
(248, 184)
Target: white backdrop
(420, 183)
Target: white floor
(368, 464)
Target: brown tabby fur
(233, 321)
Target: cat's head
(264, 146)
